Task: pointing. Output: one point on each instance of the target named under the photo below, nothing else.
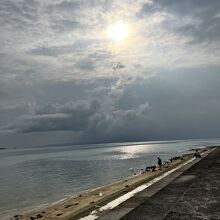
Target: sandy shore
(74, 207)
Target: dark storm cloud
(93, 123)
(56, 117)
(84, 116)
(181, 103)
(205, 13)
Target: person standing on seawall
(159, 162)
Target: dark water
(31, 177)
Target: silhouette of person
(159, 162)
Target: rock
(150, 168)
(16, 217)
(39, 216)
(175, 158)
(67, 206)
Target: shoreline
(74, 206)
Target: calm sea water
(31, 177)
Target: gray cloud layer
(60, 72)
(205, 14)
(171, 105)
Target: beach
(76, 207)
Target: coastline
(73, 207)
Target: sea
(33, 177)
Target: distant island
(2, 148)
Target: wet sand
(75, 207)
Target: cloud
(19, 11)
(77, 46)
(85, 64)
(66, 6)
(56, 117)
(181, 103)
(56, 58)
(89, 120)
(65, 25)
(202, 22)
(100, 55)
(118, 66)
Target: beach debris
(91, 202)
(175, 158)
(59, 214)
(100, 194)
(43, 212)
(166, 164)
(16, 217)
(67, 206)
(76, 204)
(39, 216)
(32, 218)
(197, 154)
(80, 195)
(131, 169)
(150, 168)
(127, 186)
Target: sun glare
(118, 31)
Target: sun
(118, 31)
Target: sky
(63, 79)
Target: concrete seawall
(191, 192)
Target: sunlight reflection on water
(31, 177)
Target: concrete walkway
(194, 194)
